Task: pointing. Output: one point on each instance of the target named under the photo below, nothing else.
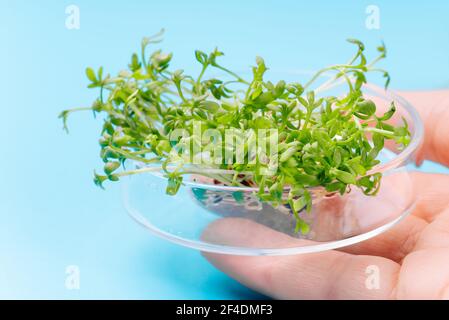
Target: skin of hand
(412, 258)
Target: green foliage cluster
(323, 141)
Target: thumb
(433, 107)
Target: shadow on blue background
(51, 214)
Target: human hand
(412, 257)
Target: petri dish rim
(396, 161)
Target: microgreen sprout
(322, 141)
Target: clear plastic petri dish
(232, 220)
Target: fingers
(436, 234)
(393, 244)
(341, 275)
(432, 194)
(424, 275)
(326, 275)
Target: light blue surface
(51, 214)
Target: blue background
(51, 214)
